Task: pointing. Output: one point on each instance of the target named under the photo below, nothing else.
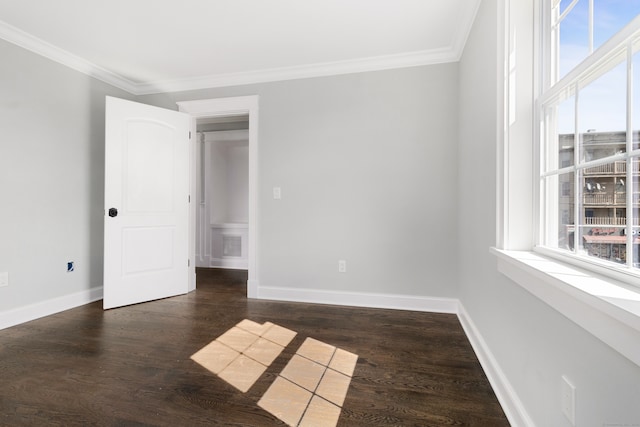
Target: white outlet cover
(277, 193)
(568, 400)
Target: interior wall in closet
(223, 193)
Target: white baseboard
(361, 299)
(45, 308)
(511, 404)
(232, 264)
(252, 288)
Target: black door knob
(113, 212)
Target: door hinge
(189, 198)
(188, 263)
(189, 134)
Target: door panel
(147, 249)
(146, 180)
(149, 189)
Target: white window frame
(618, 48)
(597, 298)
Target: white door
(146, 221)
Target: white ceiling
(147, 46)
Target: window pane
(634, 188)
(635, 256)
(635, 116)
(564, 4)
(561, 142)
(566, 116)
(574, 36)
(603, 216)
(559, 194)
(565, 142)
(602, 115)
(610, 16)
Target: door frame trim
(220, 107)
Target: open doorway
(221, 109)
(222, 192)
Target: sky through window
(610, 16)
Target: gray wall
(366, 162)
(367, 167)
(533, 343)
(51, 177)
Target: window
(558, 272)
(589, 112)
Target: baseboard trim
(361, 299)
(252, 288)
(511, 404)
(231, 264)
(45, 308)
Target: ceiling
(148, 46)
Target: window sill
(607, 309)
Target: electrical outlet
(4, 279)
(569, 400)
(342, 266)
(277, 193)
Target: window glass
(574, 36)
(635, 109)
(565, 135)
(603, 216)
(635, 216)
(610, 16)
(564, 4)
(559, 191)
(566, 115)
(603, 130)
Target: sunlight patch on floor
(309, 391)
(242, 354)
(312, 387)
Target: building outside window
(589, 111)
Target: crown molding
(403, 60)
(34, 44)
(410, 59)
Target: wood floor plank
(131, 366)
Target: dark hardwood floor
(131, 366)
